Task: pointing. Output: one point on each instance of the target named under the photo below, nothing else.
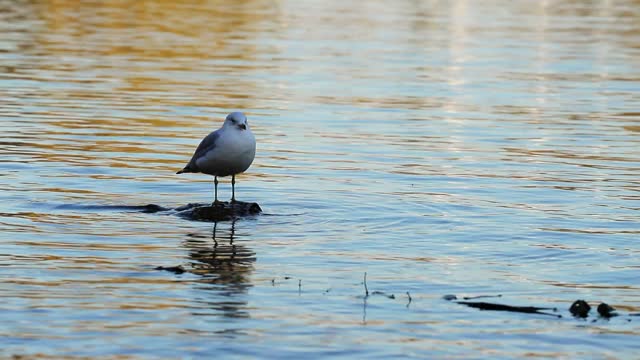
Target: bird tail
(190, 168)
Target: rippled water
(443, 148)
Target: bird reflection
(225, 268)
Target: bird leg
(215, 190)
(233, 188)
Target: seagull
(229, 150)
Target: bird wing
(207, 144)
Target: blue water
(442, 148)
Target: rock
(580, 308)
(218, 212)
(606, 311)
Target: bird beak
(242, 126)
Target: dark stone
(450, 297)
(580, 308)
(218, 212)
(606, 311)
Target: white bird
(229, 150)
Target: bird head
(237, 120)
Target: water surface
(443, 148)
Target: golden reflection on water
(125, 54)
(132, 54)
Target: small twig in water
(501, 307)
(410, 299)
(383, 294)
(481, 296)
(299, 286)
(366, 290)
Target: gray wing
(207, 144)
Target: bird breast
(234, 152)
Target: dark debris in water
(152, 208)
(606, 311)
(174, 269)
(498, 307)
(221, 211)
(149, 208)
(367, 293)
(481, 297)
(502, 307)
(580, 308)
(382, 293)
